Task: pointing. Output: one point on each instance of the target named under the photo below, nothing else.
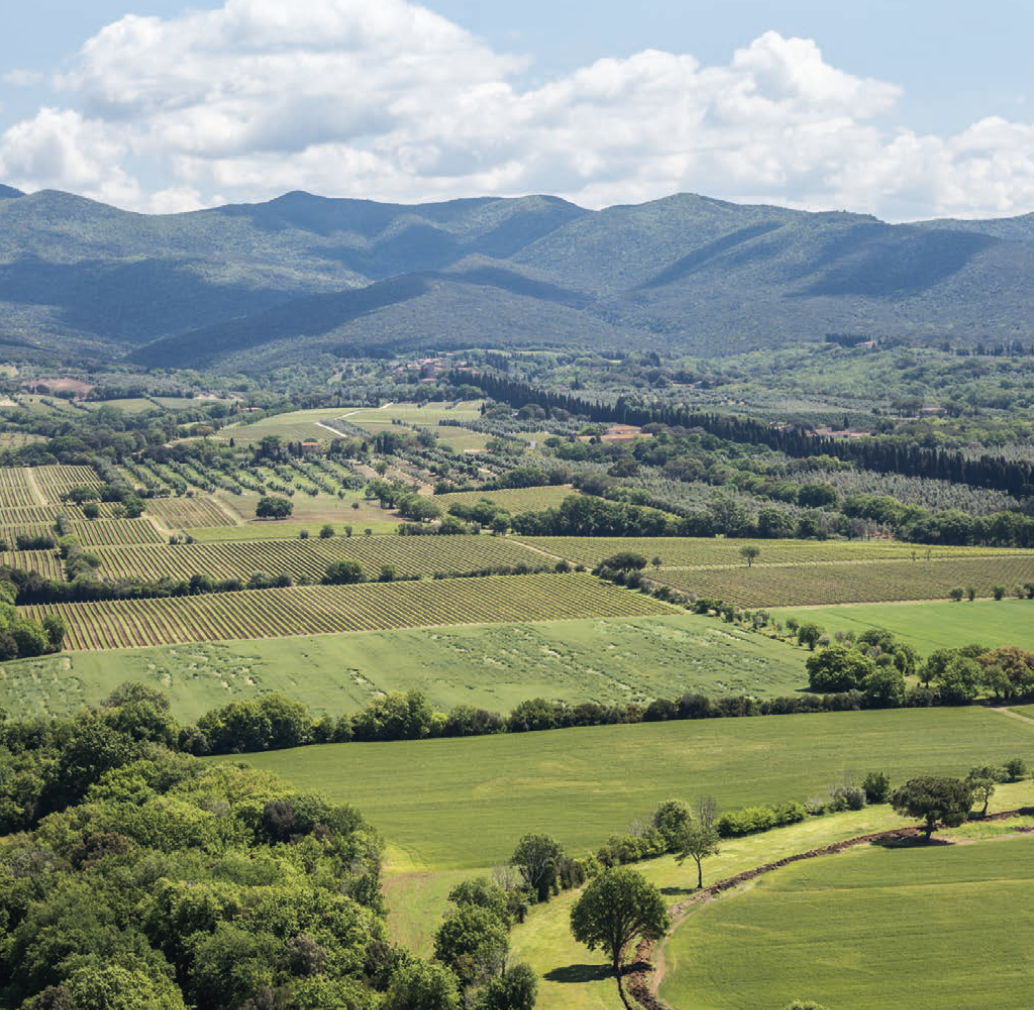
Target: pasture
(450, 804)
(495, 666)
(930, 626)
(307, 610)
(922, 926)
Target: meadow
(302, 610)
(451, 804)
(494, 666)
(514, 500)
(918, 926)
(929, 626)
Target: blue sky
(904, 109)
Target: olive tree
(938, 800)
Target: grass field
(493, 666)
(289, 529)
(850, 582)
(514, 500)
(930, 626)
(867, 928)
(293, 426)
(449, 804)
(310, 610)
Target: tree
(474, 943)
(936, 799)
(343, 573)
(515, 989)
(809, 634)
(273, 508)
(838, 668)
(671, 819)
(750, 552)
(538, 859)
(697, 841)
(876, 786)
(982, 781)
(619, 905)
(624, 561)
(326, 531)
(420, 985)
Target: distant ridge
(256, 286)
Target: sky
(906, 109)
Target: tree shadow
(912, 842)
(579, 973)
(675, 891)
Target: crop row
(305, 610)
(46, 563)
(864, 582)
(18, 515)
(54, 481)
(113, 532)
(309, 558)
(16, 489)
(689, 552)
(514, 500)
(187, 513)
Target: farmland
(851, 930)
(301, 610)
(308, 559)
(514, 500)
(462, 803)
(930, 626)
(496, 666)
(187, 513)
(850, 582)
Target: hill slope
(264, 284)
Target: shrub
(877, 787)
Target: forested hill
(268, 284)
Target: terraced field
(514, 500)
(850, 582)
(309, 558)
(303, 610)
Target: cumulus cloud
(391, 101)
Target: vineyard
(187, 513)
(690, 552)
(307, 610)
(27, 514)
(16, 491)
(112, 532)
(514, 500)
(54, 481)
(308, 559)
(46, 563)
(846, 582)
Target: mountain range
(254, 286)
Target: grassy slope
(450, 804)
(930, 626)
(573, 977)
(493, 666)
(871, 927)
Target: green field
(289, 529)
(924, 927)
(514, 500)
(496, 666)
(293, 426)
(930, 626)
(462, 803)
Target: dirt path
(30, 479)
(1002, 710)
(643, 979)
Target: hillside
(268, 284)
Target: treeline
(883, 454)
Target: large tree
(937, 799)
(619, 905)
(538, 859)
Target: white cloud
(388, 100)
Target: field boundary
(641, 973)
